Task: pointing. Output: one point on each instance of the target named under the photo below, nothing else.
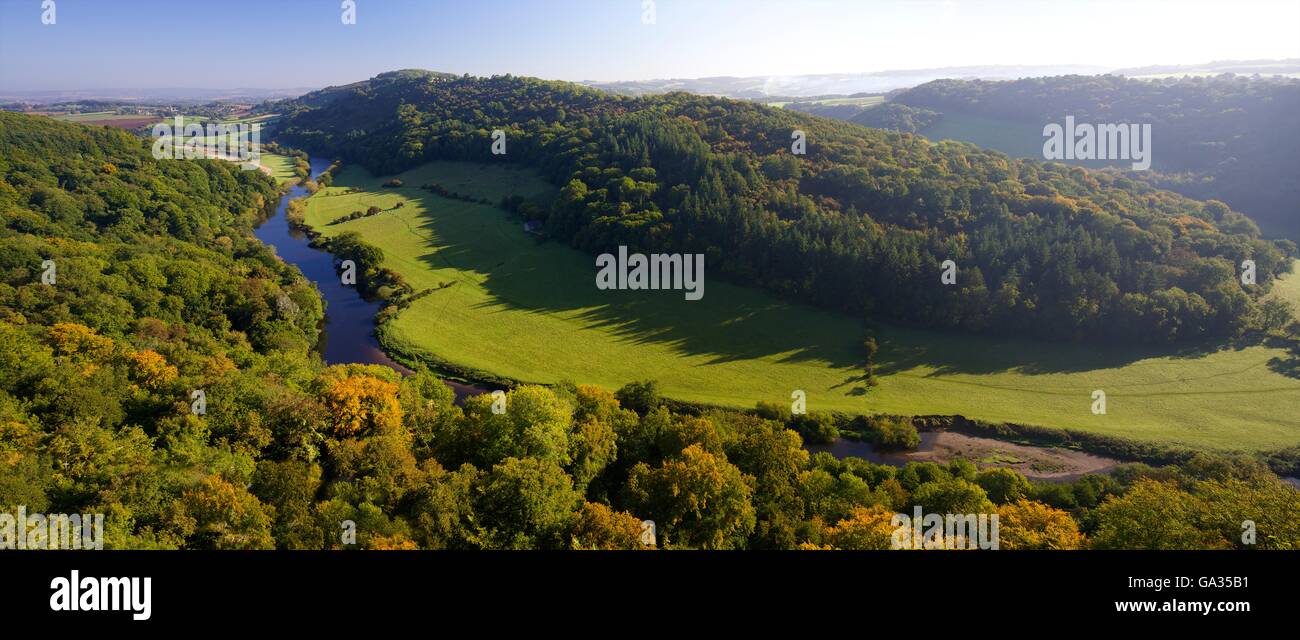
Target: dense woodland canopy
(1229, 137)
(161, 289)
(861, 224)
(894, 116)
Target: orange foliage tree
(362, 405)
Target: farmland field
(281, 166)
(511, 306)
(1288, 288)
(108, 119)
(1016, 139)
(89, 116)
(860, 101)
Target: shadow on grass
(730, 324)
(903, 349)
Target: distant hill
(1231, 138)
(860, 224)
(169, 95)
(804, 86)
(1288, 67)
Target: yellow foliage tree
(866, 529)
(81, 343)
(1025, 524)
(220, 515)
(395, 542)
(602, 528)
(151, 369)
(363, 405)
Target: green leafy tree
(697, 500)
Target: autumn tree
(362, 405)
(1154, 515)
(1024, 524)
(220, 515)
(866, 529)
(598, 527)
(697, 499)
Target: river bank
(348, 334)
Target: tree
(593, 443)
(1023, 524)
(525, 503)
(290, 487)
(816, 427)
(362, 405)
(429, 413)
(893, 433)
(866, 529)
(1154, 515)
(220, 515)
(641, 397)
(535, 423)
(1003, 486)
(696, 500)
(952, 496)
(442, 509)
(599, 527)
(1259, 513)
(380, 469)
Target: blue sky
(302, 43)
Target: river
(348, 335)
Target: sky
(222, 44)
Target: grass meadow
(281, 166)
(1016, 139)
(512, 306)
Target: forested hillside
(161, 290)
(860, 224)
(1232, 138)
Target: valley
(506, 306)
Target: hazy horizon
(307, 45)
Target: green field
(529, 310)
(92, 116)
(281, 166)
(1016, 139)
(863, 101)
(1288, 288)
